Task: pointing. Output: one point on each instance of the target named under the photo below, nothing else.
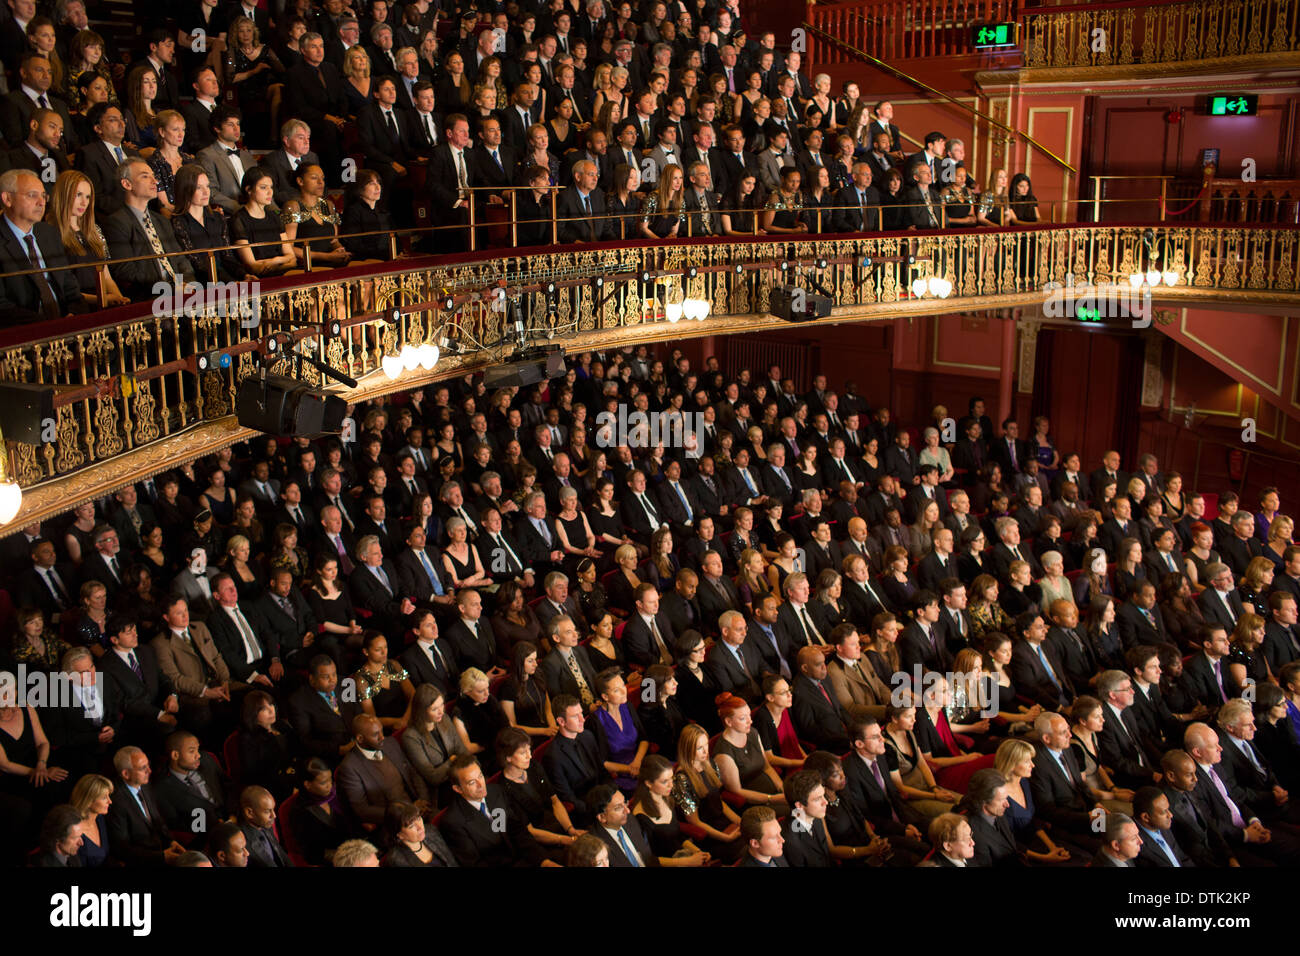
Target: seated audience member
(136, 231)
(137, 829)
(410, 842)
(71, 210)
(60, 843)
(376, 773)
(26, 244)
(194, 793)
(481, 827)
(257, 820)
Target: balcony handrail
(422, 231)
(900, 74)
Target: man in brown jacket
(854, 683)
(191, 661)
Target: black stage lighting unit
(529, 368)
(288, 408)
(24, 409)
(793, 304)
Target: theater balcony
(135, 390)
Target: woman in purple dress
(623, 743)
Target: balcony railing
(127, 382)
(905, 29)
(1138, 32)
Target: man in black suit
(615, 826)
(580, 209)
(1009, 550)
(257, 822)
(247, 644)
(1061, 795)
(374, 521)
(34, 93)
(682, 606)
(518, 117)
(921, 208)
(314, 94)
(1245, 771)
(1036, 670)
(1192, 825)
(149, 705)
(702, 216)
(922, 645)
(1164, 556)
(39, 151)
(83, 724)
(491, 167)
(1155, 820)
(734, 663)
(106, 564)
(871, 790)
(376, 586)
(137, 831)
(764, 842)
(60, 840)
(1108, 472)
(557, 600)
(1120, 744)
(200, 111)
(573, 760)
(1119, 526)
(1121, 842)
(472, 640)
(481, 825)
(283, 164)
(290, 621)
(47, 583)
(1206, 674)
(194, 794)
(705, 540)
(136, 230)
(27, 243)
(985, 804)
(1221, 602)
(716, 592)
(861, 201)
(292, 510)
(384, 132)
(422, 575)
(648, 637)
(161, 58)
(1139, 621)
(321, 719)
(430, 660)
(736, 160)
(567, 670)
(1241, 546)
(703, 150)
(100, 158)
(939, 563)
(449, 183)
(818, 717)
(1281, 636)
(1010, 451)
(639, 512)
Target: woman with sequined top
(662, 214)
(784, 209)
(384, 689)
(312, 217)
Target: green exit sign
(993, 34)
(1236, 105)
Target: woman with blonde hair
(994, 209)
(92, 796)
(357, 81)
(71, 210)
(168, 158)
(752, 583)
(1255, 585)
(613, 97)
(1280, 532)
(697, 788)
(1015, 761)
(1247, 662)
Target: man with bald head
(376, 773)
(1061, 795)
(1192, 826)
(818, 717)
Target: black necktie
(391, 123)
(49, 304)
(232, 152)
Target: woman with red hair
(741, 760)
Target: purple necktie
(1218, 676)
(875, 770)
(1237, 820)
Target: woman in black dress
(592, 599)
(892, 210)
(198, 228)
(697, 791)
(530, 793)
(318, 821)
(383, 687)
(331, 605)
(410, 842)
(604, 652)
(263, 746)
(819, 200)
(260, 242)
(742, 206)
(695, 688)
(479, 717)
(309, 220)
(576, 538)
(624, 201)
(897, 582)
(257, 79)
(661, 715)
(523, 695)
(533, 208)
(71, 210)
(364, 212)
(661, 817)
(662, 215)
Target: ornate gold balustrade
(1137, 34)
(131, 403)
